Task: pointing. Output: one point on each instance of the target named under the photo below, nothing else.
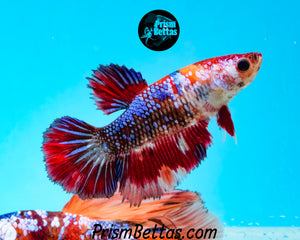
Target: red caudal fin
(77, 159)
(114, 87)
(157, 166)
(176, 210)
(224, 120)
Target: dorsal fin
(114, 87)
(224, 120)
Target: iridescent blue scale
(158, 108)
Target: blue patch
(155, 124)
(185, 107)
(26, 214)
(176, 78)
(165, 86)
(143, 116)
(163, 95)
(166, 118)
(157, 105)
(104, 146)
(8, 215)
(178, 87)
(140, 110)
(147, 128)
(176, 105)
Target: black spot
(241, 84)
(243, 65)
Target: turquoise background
(47, 49)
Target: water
(48, 48)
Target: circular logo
(158, 30)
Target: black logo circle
(158, 30)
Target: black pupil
(243, 65)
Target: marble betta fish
(160, 137)
(177, 214)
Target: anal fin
(158, 165)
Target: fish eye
(243, 65)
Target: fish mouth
(257, 59)
(260, 58)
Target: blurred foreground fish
(160, 137)
(178, 212)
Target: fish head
(230, 74)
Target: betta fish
(179, 212)
(160, 137)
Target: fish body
(161, 136)
(114, 219)
(194, 93)
(43, 225)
